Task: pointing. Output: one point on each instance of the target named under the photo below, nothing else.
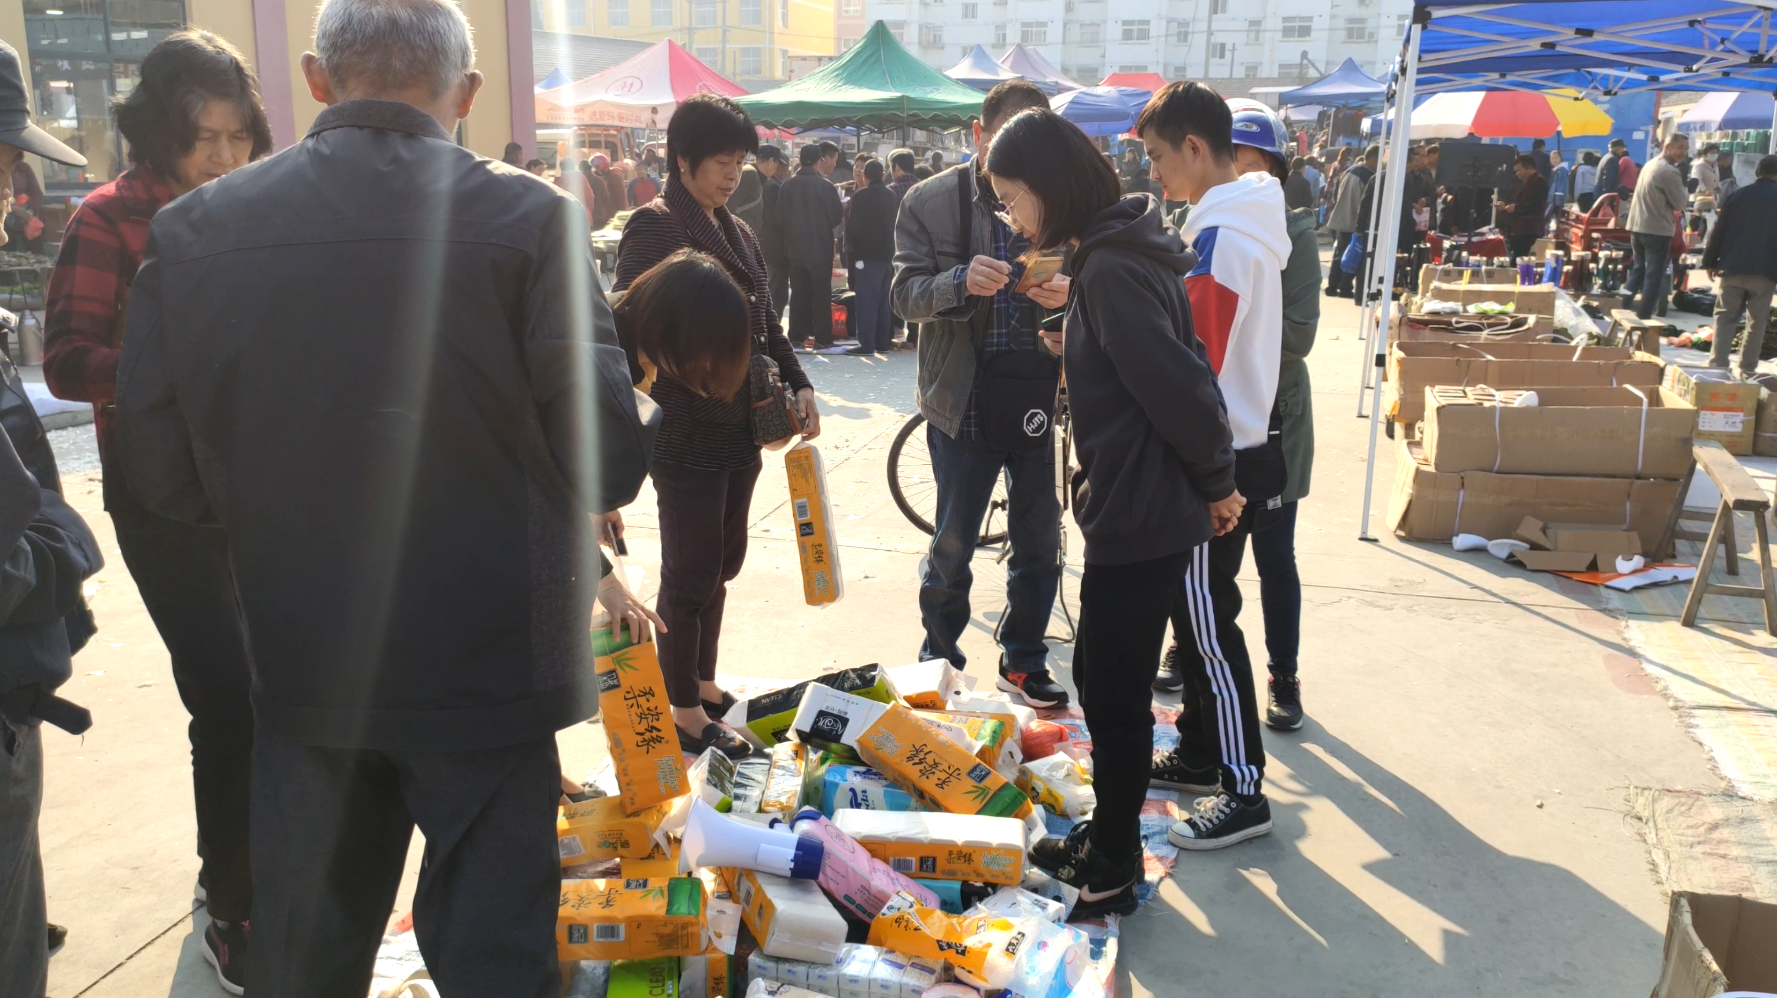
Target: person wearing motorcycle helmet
(1236, 227)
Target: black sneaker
(1169, 679)
(1052, 853)
(1172, 771)
(1285, 710)
(1036, 689)
(1091, 873)
(58, 936)
(1221, 821)
(225, 947)
(717, 736)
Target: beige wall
(232, 19)
(489, 126)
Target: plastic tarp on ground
(1102, 110)
(1030, 64)
(978, 70)
(1345, 86)
(1728, 113)
(639, 92)
(876, 85)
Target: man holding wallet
(987, 391)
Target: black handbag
(1261, 475)
(772, 405)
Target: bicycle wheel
(915, 490)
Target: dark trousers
(1280, 591)
(876, 322)
(966, 472)
(1123, 611)
(811, 304)
(330, 835)
(1219, 713)
(187, 584)
(1518, 244)
(778, 273)
(1338, 281)
(703, 543)
(1651, 271)
(24, 950)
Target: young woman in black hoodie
(1157, 465)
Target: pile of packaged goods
(874, 846)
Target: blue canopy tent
(1346, 86)
(1102, 110)
(1603, 47)
(556, 78)
(978, 70)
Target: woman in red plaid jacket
(175, 145)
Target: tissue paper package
(630, 919)
(638, 722)
(600, 829)
(816, 542)
(942, 846)
(943, 775)
(864, 789)
(765, 719)
(789, 918)
(850, 875)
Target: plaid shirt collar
(142, 191)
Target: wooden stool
(1738, 492)
(1642, 334)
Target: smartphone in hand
(1042, 270)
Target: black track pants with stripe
(1219, 721)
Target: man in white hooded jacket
(1237, 228)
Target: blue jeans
(870, 281)
(966, 471)
(1280, 591)
(1651, 273)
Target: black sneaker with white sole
(1285, 710)
(1221, 820)
(1036, 689)
(1055, 852)
(1115, 883)
(225, 947)
(1174, 772)
(1169, 679)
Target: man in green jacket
(1274, 547)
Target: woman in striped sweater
(706, 463)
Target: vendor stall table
(1738, 492)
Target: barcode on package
(608, 933)
(802, 509)
(902, 864)
(570, 846)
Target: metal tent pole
(1391, 223)
(1366, 303)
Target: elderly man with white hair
(381, 363)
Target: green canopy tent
(876, 85)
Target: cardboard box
(600, 829)
(1413, 367)
(940, 846)
(927, 685)
(1412, 327)
(765, 719)
(1727, 408)
(943, 775)
(1717, 943)
(630, 919)
(638, 722)
(1602, 432)
(1431, 273)
(816, 541)
(1424, 503)
(1532, 299)
(1764, 437)
(1573, 547)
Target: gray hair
(385, 46)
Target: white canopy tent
(1591, 46)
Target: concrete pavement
(1448, 822)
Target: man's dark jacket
(370, 358)
(808, 210)
(1743, 241)
(870, 225)
(1530, 207)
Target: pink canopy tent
(639, 92)
(1151, 82)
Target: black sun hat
(15, 115)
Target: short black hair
(1537, 143)
(690, 318)
(1374, 152)
(1007, 99)
(1298, 163)
(1767, 167)
(1189, 108)
(810, 154)
(772, 152)
(829, 149)
(187, 70)
(707, 125)
(1526, 161)
(1710, 147)
(873, 171)
(923, 172)
(514, 154)
(533, 163)
(1061, 168)
(1618, 142)
(903, 160)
